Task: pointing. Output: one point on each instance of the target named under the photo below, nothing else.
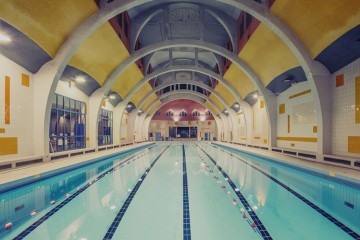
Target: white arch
(49, 75)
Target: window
(183, 114)
(157, 113)
(105, 127)
(208, 113)
(170, 113)
(67, 124)
(196, 114)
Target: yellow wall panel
(238, 79)
(149, 101)
(318, 23)
(262, 104)
(300, 94)
(100, 53)
(225, 93)
(7, 100)
(154, 107)
(211, 108)
(145, 89)
(282, 108)
(127, 80)
(297, 139)
(354, 144)
(217, 102)
(339, 81)
(48, 23)
(25, 80)
(267, 55)
(8, 145)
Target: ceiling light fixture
(80, 79)
(112, 96)
(236, 105)
(129, 106)
(255, 95)
(4, 38)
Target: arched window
(208, 113)
(170, 113)
(196, 114)
(183, 114)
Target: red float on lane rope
(8, 225)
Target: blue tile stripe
(259, 225)
(186, 209)
(116, 222)
(36, 224)
(302, 198)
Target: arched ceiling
(325, 28)
(182, 105)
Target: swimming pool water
(187, 190)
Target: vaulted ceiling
(329, 31)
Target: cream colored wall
(345, 130)
(296, 127)
(17, 136)
(260, 124)
(163, 127)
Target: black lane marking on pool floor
(186, 210)
(309, 203)
(259, 225)
(115, 224)
(41, 220)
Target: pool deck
(34, 170)
(7, 176)
(331, 169)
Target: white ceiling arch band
(53, 69)
(206, 98)
(204, 71)
(162, 86)
(141, 21)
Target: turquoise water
(153, 180)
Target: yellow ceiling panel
(225, 93)
(318, 23)
(127, 80)
(211, 108)
(145, 89)
(149, 101)
(100, 53)
(239, 81)
(154, 107)
(48, 23)
(217, 102)
(267, 55)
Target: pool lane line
(237, 206)
(41, 220)
(259, 225)
(332, 219)
(116, 222)
(186, 210)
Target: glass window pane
(72, 105)
(78, 106)
(83, 108)
(67, 103)
(60, 101)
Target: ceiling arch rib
(177, 96)
(91, 24)
(181, 68)
(225, 21)
(144, 99)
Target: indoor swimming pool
(184, 190)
